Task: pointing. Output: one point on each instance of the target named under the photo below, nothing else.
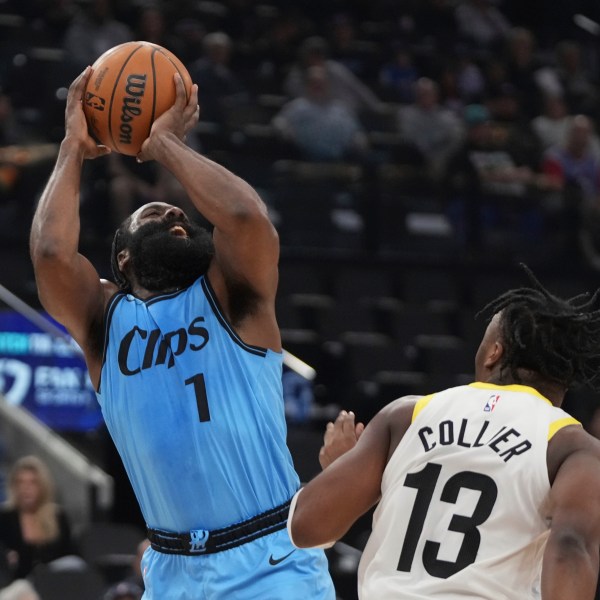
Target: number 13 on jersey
(425, 482)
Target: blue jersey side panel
(197, 415)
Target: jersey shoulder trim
(214, 304)
(420, 405)
(559, 424)
(108, 315)
(514, 387)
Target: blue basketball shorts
(269, 568)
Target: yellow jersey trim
(558, 425)
(509, 388)
(420, 405)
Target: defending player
(481, 488)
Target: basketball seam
(112, 96)
(154, 50)
(176, 68)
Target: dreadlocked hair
(120, 242)
(559, 339)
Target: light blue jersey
(197, 416)
(195, 413)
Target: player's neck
(144, 294)
(552, 390)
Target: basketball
(131, 85)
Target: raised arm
(246, 243)
(329, 504)
(570, 568)
(68, 285)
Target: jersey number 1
(424, 482)
(201, 400)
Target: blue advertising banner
(46, 375)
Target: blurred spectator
(12, 131)
(132, 585)
(190, 33)
(570, 79)
(356, 55)
(319, 125)
(20, 589)
(574, 163)
(151, 26)
(470, 81)
(136, 576)
(398, 76)
(481, 23)
(522, 65)
(275, 49)
(123, 591)
(24, 161)
(435, 19)
(495, 76)
(94, 31)
(220, 91)
(487, 172)
(343, 84)
(574, 170)
(551, 126)
(33, 528)
(505, 106)
(486, 158)
(431, 128)
(51, 22)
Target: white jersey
(464, 494)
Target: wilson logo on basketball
(134, 92)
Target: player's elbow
(47, 251)
(572, 545)
(301, 533)
(306, 531)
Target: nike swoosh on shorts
(276, 561)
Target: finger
(102, 150)
(323, 459)
(193, 101)
(192, 104)
(360, 427)
(329, 428)
(76, 88)
(348, 423)
(341, 416)
(181, 95)
(339, 422)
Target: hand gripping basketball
(76, 128)
(181, 118)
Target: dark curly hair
(120, 241)
(558, 339)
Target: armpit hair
(243, 301)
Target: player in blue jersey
(185, 354)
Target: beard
(161, 261)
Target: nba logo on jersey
(491, 403)
(199, 537)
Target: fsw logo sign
(15, 380)
(46, 375)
